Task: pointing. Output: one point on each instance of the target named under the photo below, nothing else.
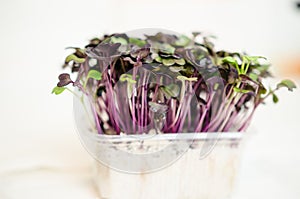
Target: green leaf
(158, 59)
(184, 78)
(290, 85)
(58, 90)
(253, 58)
(79, 52)
(177, 69)
(128, 78)
(94, 74)
(74, 58)
(138, 42)
(275, 98)
(182, 41)
(233, 61)
(238, 90)
(167, 48)
(253, 76)
(262, 90)
(168, 62)
(230, 60)
(180, 61)
(119, 40)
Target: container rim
(167, 136)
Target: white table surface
(40, 153)
(42, 157)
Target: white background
(40, 154)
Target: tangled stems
(167, 83)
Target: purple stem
(143, 105)
(97, 122)
(186, 108)
(207, 107)
(133, 100)
(138, 109)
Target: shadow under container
(165, 166)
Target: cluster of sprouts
(166, 83)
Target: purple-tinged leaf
(64, 80)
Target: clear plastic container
(160, 166)
(184, 174)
